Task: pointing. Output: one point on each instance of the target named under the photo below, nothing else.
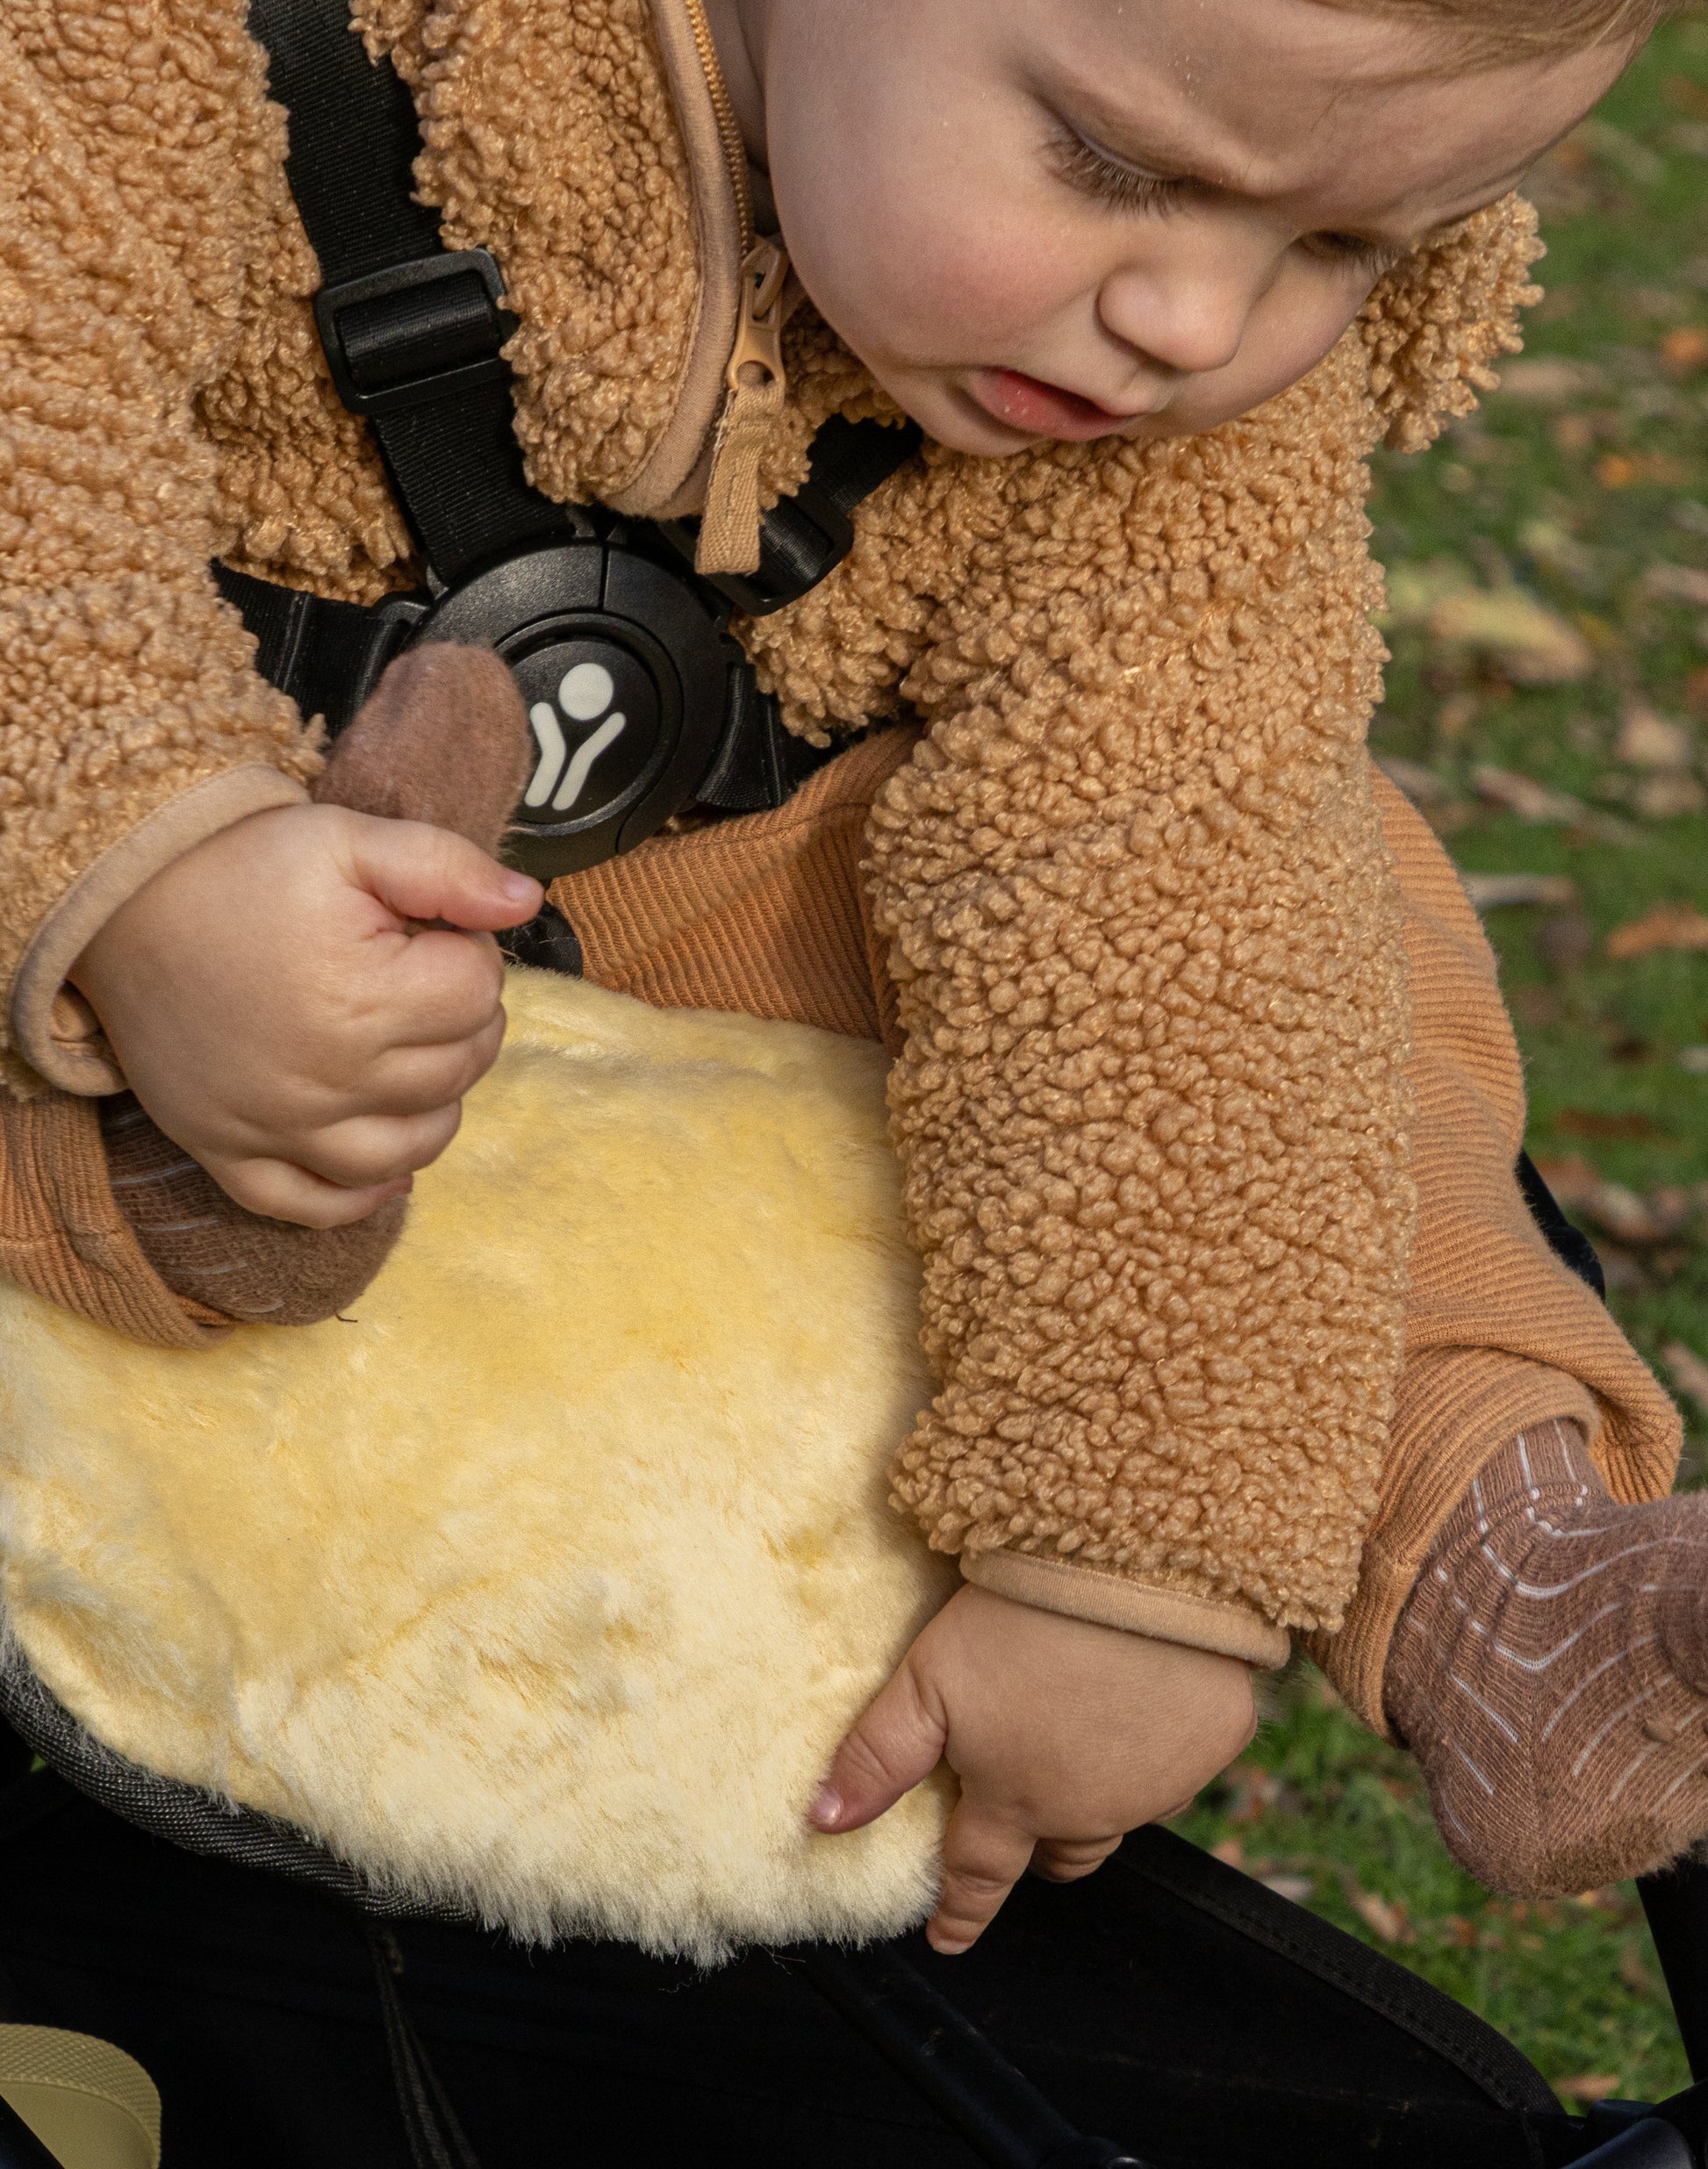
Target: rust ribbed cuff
(1455, 1408)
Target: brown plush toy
(444, 739)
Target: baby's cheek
(1293, 327)
(946, 290)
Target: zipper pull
(730, 526)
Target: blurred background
(1547, 710)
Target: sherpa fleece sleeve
(131, 722)
(1499, 1334)
(1151, 1109)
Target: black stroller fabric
(1168, 2002)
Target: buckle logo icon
(585, 694)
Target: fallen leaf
(1298, 1888)
(1422, 785)
(1459, 1931)
(1562, 942)
(1229, 1852)
(1694, 1061)
(1635, 1975)
(1668, 926)
(1587, 2086)
(1619, 471)
(1573, 433)
(1496, 892)
(1624, 1214)
(1665, 797)
(1533, 802)
(1677, 583)
(1551, 379)
(1684, 350)
(1646, 740)
(1533, 644)
(1570, 1176)
(1687, 1372)
(1456, 714)
(1582, 1121)
(1382, 1918)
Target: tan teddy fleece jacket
(1153, 1101)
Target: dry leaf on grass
(1494, 892)
(1533, 644)
(1648, 740)
(1384, 1919)
(1422, 785)
(1687, 1372)
(1588, 2087)
(1665, 797)
(1588, 1122)
(1523, 795)
(1296, 1888)
(1551, 380)
(1668, 926)
(1677, 583)
(1635, 1975)
(1229, 1852)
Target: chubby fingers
(340, 1174)
(1064, 1860)
(893, 1747)
(985, 1854)
(423, 873)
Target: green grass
(1576, 499)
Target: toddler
(1207, 1108)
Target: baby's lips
(1042, 409)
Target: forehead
(1291, 99)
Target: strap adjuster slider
(414, 332)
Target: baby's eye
(1111, 181)
(1374, 257)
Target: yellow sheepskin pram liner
(543, 1587)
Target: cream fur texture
(548, 1584)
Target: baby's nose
(1189, 323)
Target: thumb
(896, 1745)
(424, 873)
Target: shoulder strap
(412, 332)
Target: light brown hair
(1496, 30)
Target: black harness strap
(414, 335)
(412, 331)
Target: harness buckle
(414, 332)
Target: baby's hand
(1065, 1737)
(274, 1013)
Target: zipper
(729, 129)
(754, 377)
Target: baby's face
(1084, 218)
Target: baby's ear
(1437, 320)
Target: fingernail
(519, 887)
(945, 1947)
(826, 1810)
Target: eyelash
(1092, 173)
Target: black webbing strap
(412, 331)
(327, 656)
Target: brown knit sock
(1550, 1674)
(444, 739)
